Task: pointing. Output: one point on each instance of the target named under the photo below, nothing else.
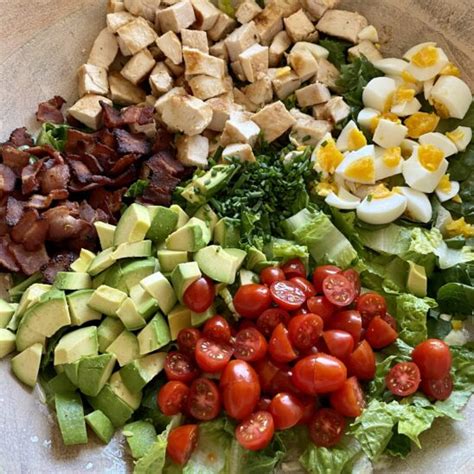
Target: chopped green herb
(337, 51)
(137, 188)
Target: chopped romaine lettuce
(53, 134)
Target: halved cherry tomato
(309, 408)
(217, 329)
(390, 320)
(403, 379)
(439, 389)
(212, 356)
(338, 290)
(187, 339)
(286, 410)
(321, 306)
(287, 295)
(180, 367)
(263, 404)
(199, 296)
(348, 320)
(379, 333)
(361, 362)
(370, 305)
(320, 273)
(256, 431)
(250, 345)
(304, 285)
(282, 382)
(353, 276)
(270, 275)
(319, 373)
(349, 399)
(204, 401)
(294, 268)
(327, 427)
(433, 358)
(340, 343)
(172, 397)
(304, 330)
(270, 319)
(279, 347)
(252, 300)
(181, 443)
(266, 371)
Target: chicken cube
(161, 102)
(219, 50)
(160, 79)
(206, 87)
(123, 92)
(177, 17)
(298, 26)
(268, 23)
(114, 6)
(222, 108)
(336, 110)
(171, 47)
(303, 63)
(124, 51)
(192, 151)
(342, 24)
(309, 131)
(195, 39)
(260, 92)
(319, 111)
(206, 14)
(238, 70)
(247, 11)
(369, 33)
(312, 94)
(285, 82)
(242, 100)
(241, 39)
(196, 62)
(286, 7)
(88, 110)
(274, 120)
(239, 129)
(254, 61)
(176, 69)
(144, 8)
(104, 50)
(149, 129)
(280, 43)
(241, 151)
(365, 48)
(138, 67)
(117, 20)
(328, 74)
(92, 80)
(223, 26)
(137, 34)
(317, 8)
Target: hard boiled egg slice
(378, 93)
(425, 168)
(447, 189)
(388, 162)
(405, 109)
(342, 200)
(418, 205)
(391, 66)
(367, 117)
(461, 137)
(389, 134)
(326, 156)
(406, 80)
(451, 97)
(417, 48)
(351, 138)
(407, 147)
(359, 166)
(420, 123)
(381, 206)
(426, 61)
(427, 88)
(439, 141)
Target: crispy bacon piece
(64, 223)
(29, 177)
(15, 159)
(14, 211)
(50, 111)
(108, 201)
(31, 230)
(21, 137)
(134, 114)
(163, 140)
(61, 262)
(54, 178)
(123, 163)
(111, 116)
(131, 142)
(7, 259)
(7, 179)
(29, 262)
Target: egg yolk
(283, 71)
(430, 157)
(356, 139)
(362, 169)
(445, 185)
(403, 94)
(456, 135)
(440, 108)
(387, 116)
(426, 57)
(457, 199)
(408, 77)
(329, 157)
(450, 70)
(420, 123)
(380, 192)
(460, 227)
(392, 156)
(324, 188)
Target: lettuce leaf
(54, 135)
(456, 299)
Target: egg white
(352, 158)
(446, 196)
(465, 138)
(439, 141)
(382, 210)
(378, 92)
(418, 205)
(343, 200)
(454, 94)
(389, 134)
(382, 170)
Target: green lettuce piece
(337, 50)
(282, 249)
(399, 446)
(53, 134)
(456, 298)
(390, 240)
(414, 420)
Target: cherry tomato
(370, 305)
(304, 330)
(439, 389)
(321, 306)
(327, 427)
(217, 329)
(270, 275)
(304, 285)
(180, 367)
(349, 320)
(252, 300)
(204, 402)
(199, 295)
(379, 333)
(266, 371)
(339, 343)
(294, 268)
(280, 347)
(361, 362)
(263, 404)
(390, 320)
(433, 358)
(403, 379)
(349, 399)
(187, 339)
(286, 410)
(250, 345)
(319, 373)
(181, 443)
(172, 397)
(287, 295)
(270, 319)
(353, 276)
(338, 290)
(256, 431)
(309, 408)
(320, 273)
(212, 356)
(282, 382)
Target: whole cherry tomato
(199, 296)
(433, 358)
(270, 275)
(321, 306)
(294, 268)
(252, 300)
(217, 328)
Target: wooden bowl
(42, 44)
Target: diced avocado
(136, 374)
(129, 315)
(133, 250)
(71, 371)
(417, 283)
(75, 344)
(154, 335)
(101, 262)
(17, 291)
(125, 348)
(7, 342)
(184, 275)
(26, 364)
(112, 276)
(183, 218)
(93, 373)
(140, 436)
(28, 299)
(79, 309)
(218, 263)
(170, 258)
(82, 263)
(100, 425)
(73, 281)
(199, 318)
(206, 214)
(26, 337)
(61, 384)
(194, 235)
(161, 290)
(163, 222)
(132, 272)
(70, 413)
(227, 232)
(226, 295)
(179, 318)
(112, 406)
(254, 258)
(107, 300)
(247, 277)
(145, 304)
(133, 225)
(106, 234)
(6, 313)
(133, 399)
(108, 331)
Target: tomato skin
(309, 409)
(433, 358)
(266, 371)
(340, 343)
(326, 427)
(287, 295)
(390, 320)
(294, 268)
(263, 404)
(181, 443)
(305, 285)
(338, 290)
(321, 306)
(348, 320)
(353, 276)
(270, 319)
(252, 300)
(217, 329)
(370, 305)
(403, 379)
(320, 273)
(270, 275)
(304, 330)
(204, 401)
(361, 362)
(199, 296)
(187, 339)
(212, 356)
(319, 373)
(279, 347)
(439, 389)
(172, 397)
(286, 410)
(256, 431)
(282, 382)
(180, 367)
(379, 333)
(250, 345)
(349, 399)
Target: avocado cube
(248, 277)
(417, 281)
(75, 344)
(28, 299)
(133, 225)
(129, 315)
(179, 318)
(161, 290)
(7, 342)
(140, 436)
(112, 406)
(154, 335)
(136, 374)
(206, 214)
(125, 348)
(163, 222)
(227, 232)
(79, 309)
(194, 235)
(145, 304)
(254, 258)
(70, 413)
(133, 250)
(132, 272)
(171, 258)
(82, 263)
(106, 234)
(94, 372)
(226, 295)
(183, 276)
(61, 384)
(218, 263)
(183, 218)
(101, 262)
(6, 313)
(132, 399)
(197, 319)
(17, 291)
(72, 281)
(71, 371)
(26, 364)
(108, 331)
(100, 425)
(107, 300)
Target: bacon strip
(50, 111)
